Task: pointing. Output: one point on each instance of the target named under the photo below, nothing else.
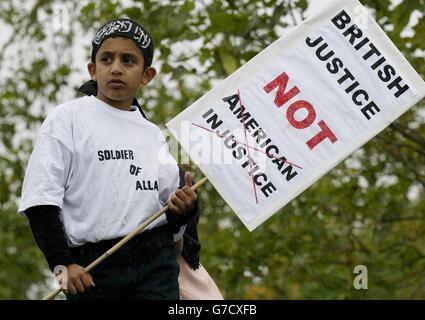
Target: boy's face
(119, 72)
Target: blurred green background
(369, 210)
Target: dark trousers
(144, 268)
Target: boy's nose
(116, 68)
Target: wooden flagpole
(122, 242)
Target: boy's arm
(179, 221)
(48, 232)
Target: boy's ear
(148, 75)
(92, 70)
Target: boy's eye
(128, 60)
(106, 59)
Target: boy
(98, 170)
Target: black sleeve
(49, 234)
(176, 221)
(191, 244)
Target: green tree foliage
(369, 210)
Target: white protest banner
(297, 109)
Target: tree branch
(401, 219)
(407, 133)
(291, 12)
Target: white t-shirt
(107, 169)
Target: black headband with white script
(128, 28)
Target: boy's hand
(184, 199)
(78, 280)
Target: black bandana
(128, 28)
